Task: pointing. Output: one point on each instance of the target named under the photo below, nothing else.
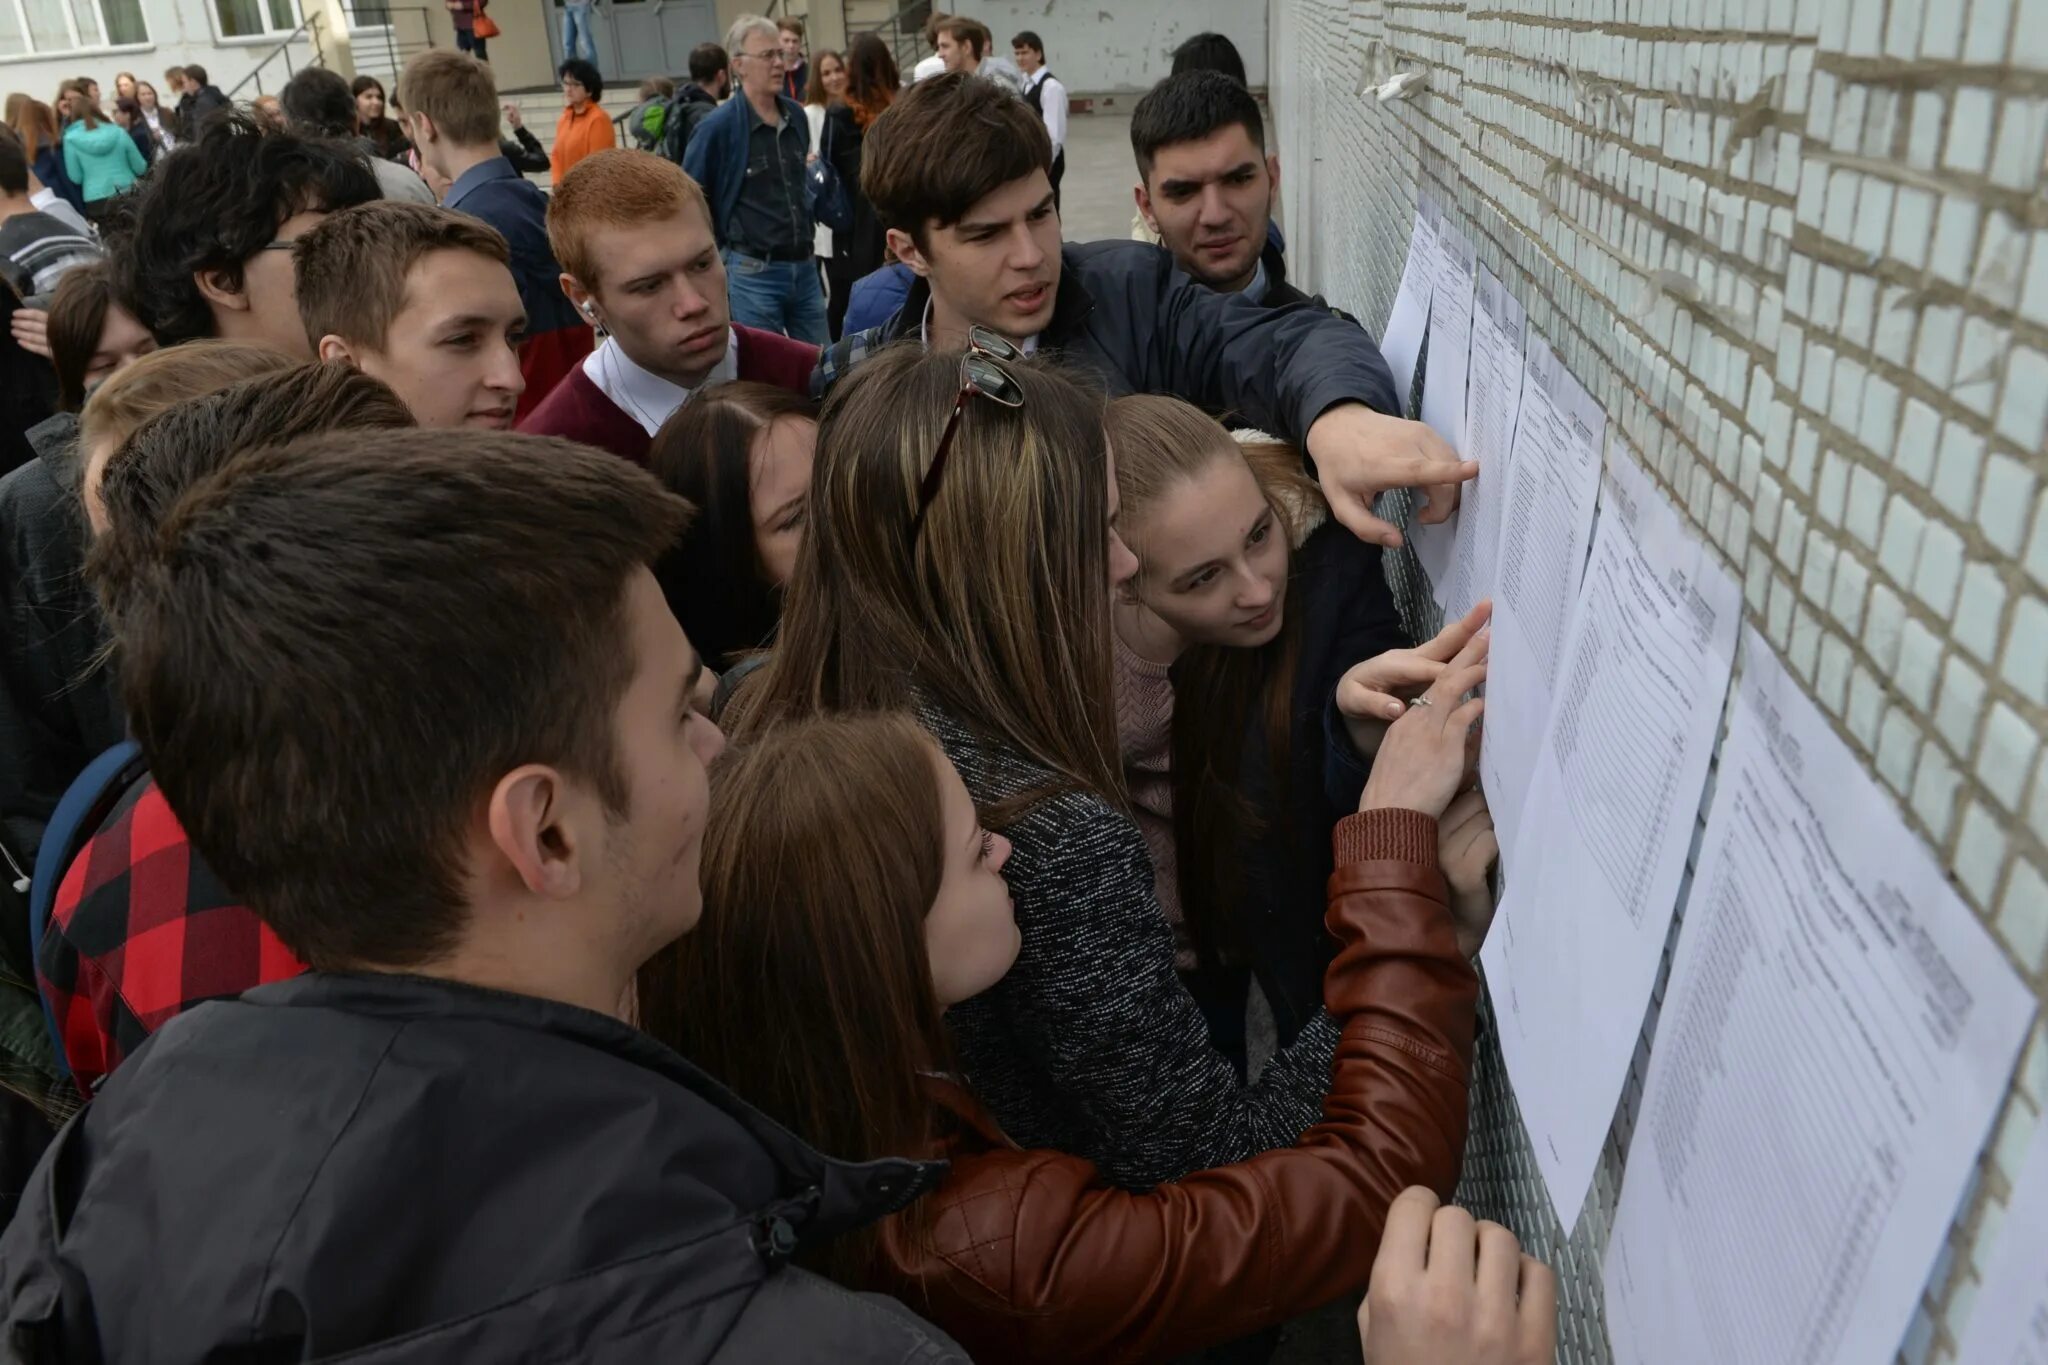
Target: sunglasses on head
(981, 375)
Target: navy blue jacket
(1127, 314)
(515, 206)
(717, 156)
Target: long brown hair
(814, 79)
(33, 122)
(872, 79)
(1161, 443)
(78, 314)
(1000, 610)
(806, 987)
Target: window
(52, 26)
(254, 18)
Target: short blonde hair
(617, 187)
(163, 379)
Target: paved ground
(1095, 196)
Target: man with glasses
(750, 157)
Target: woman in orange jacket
(584, 127)
(851, 895)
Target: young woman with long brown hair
(958, 559)
(1258, 650)
(852, 895)
(871, 83)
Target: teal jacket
(101, 161)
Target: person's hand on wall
(1425, 758)
(1373, 694)
(1448, 1290)
(1360, 454)
(1466, 850)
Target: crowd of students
(704, 845)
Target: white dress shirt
(1054, 100)
(642, 394)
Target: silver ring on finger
(1414, 702)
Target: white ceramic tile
(2007, 757)
(1980, 607)
(1961, 704)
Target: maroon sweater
(579, 410)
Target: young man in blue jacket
(750, 158)
(959, 170)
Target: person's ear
(423, 131)
(1273, 170)
(581, 299)
(1144, 202)
(332, 348)
(903, 248)
(222, 289)
(533, 831)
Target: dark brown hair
(806, 986)
(1219, 692)
(1000, 610)
(713, 578)
(972, 32)
(945, 145)
(175, 449)
(78, 314)
(352, 267)
(872, 79)
(331, 649)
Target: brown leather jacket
(1031, 1256)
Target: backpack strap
(79, 814)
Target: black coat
(1126, 314)
(1339, 585)
(864, 247)
(415, 1171)
(57, 711)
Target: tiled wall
(1798, 249)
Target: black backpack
(684, 114)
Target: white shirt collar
(924, 331)
(642, 394)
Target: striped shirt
(36, 250)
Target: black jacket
(1339, 585)
(57, 710)
(409, 1170)
(195, 105)
(863, 248)
(689, 107)
(1125, 312)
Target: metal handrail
(310, 24)
(903, 40)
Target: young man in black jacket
(475, 810)
(959, 170)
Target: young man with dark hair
(964, 47)
(199, 100)
(796, 69)
(317, 103)
(1044, 92)
(474, 818)
(1206, 184)
(450, 103)
(140, 929)
(207, 247)
(422, 299)
(957, 170)
(36, 249)
(696, 99)
(750, 158)
(633, 235)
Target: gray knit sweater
(1091, 1045)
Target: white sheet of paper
(1401, 343)
(1836, 1037)
(1443, 384)
(1553, 483)
(1573, 952)
(1495, 397)
(2009, 1325)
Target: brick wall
(1798, 249)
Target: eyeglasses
(981, 375)
(772, 56)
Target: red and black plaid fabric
(142, 931)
